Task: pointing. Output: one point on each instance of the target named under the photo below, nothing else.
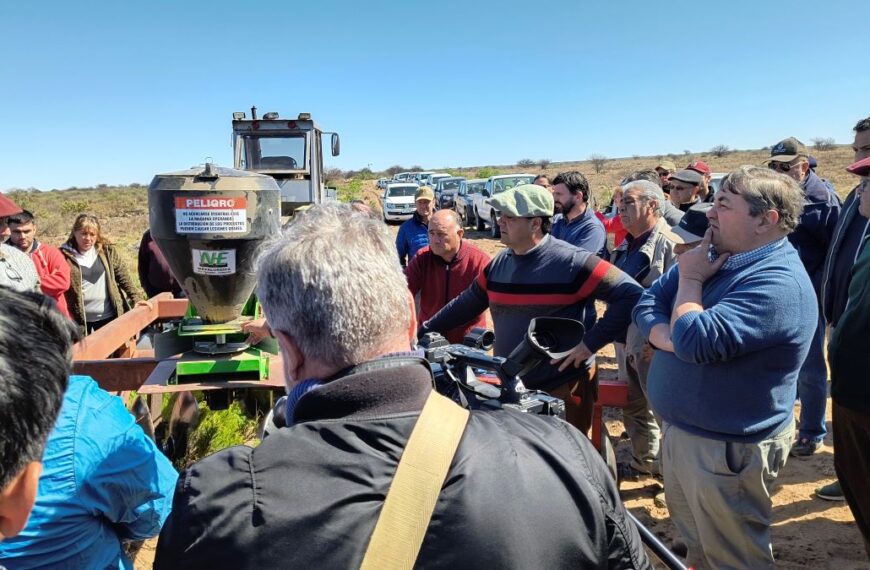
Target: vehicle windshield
(451, 184)
(285, 152)
(476, 187)
(401, 191)
(502, 184)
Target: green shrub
(486, 172)
(74, 207)
(218, 430)
(353, 190)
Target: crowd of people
(718, 304)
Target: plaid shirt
(747, 257)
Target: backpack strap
(410, 502)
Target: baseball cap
(424, 193)
(787, 150)
(861, 168)
(813, 162)
(8, 207)
(699, 166)
(688, 176)
(694, 224)
(667, 165)
(525, 201)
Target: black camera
(475, 380)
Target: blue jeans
(813, 389)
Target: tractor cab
(288, 150)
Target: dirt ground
(808, 533)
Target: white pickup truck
(397, 201)
(484, 213)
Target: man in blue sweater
(732, 323)
(811, 240)
(414, 234)
(578, 224)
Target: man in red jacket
(444, 269)
(50, 263)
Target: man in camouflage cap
(540, 276)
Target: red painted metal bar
(93, 355)
(103, 343)
(117, 374)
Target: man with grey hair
(311, 494)
(670, 213)
(732, 323)
(646, 254)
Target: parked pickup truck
(397, 201)
(445, 191)
(484, 213)
(464, 201)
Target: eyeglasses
(782, 166)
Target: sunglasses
(782, 166)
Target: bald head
(445, 234)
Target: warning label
(214, 261)
(210, 214)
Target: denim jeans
(813, 389)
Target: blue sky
(115, 92)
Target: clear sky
(117, 91)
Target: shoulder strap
(405, 516)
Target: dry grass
(123, 210)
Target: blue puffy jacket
(816, 228)
(413, 236)
(103, 480)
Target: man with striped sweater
(538, 275)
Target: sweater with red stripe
(439, 282)
(554, 279)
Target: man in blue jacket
(414, 233)
(103, 479)
(732, 323)
(35, 361)
(811, 240)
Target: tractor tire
(479, 224)
(494, 231)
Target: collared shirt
(585, 231)
(743, 259)
(634, 262)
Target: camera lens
(545, 339)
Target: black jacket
(522, 492)
(815, 230)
